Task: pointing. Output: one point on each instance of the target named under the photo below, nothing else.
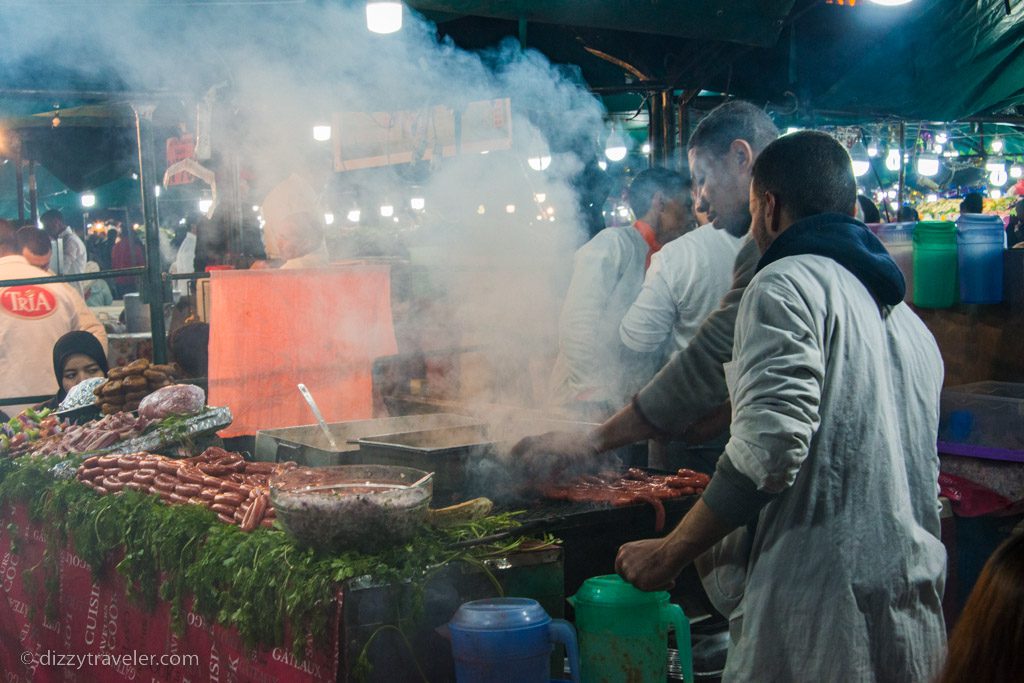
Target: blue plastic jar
(981, 239)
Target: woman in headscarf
(77, 356)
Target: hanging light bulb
(997, 145)
(646, 148)
(932, 197)
(615, 147)
(387, 210)
(872, 149)
(156, 190)
(510, 208)
(859, 157)
(540, 197)
(998, 177)
(354, 215)
(417, 203)
(893, 159)
(383, 16)
(996, 193)
(204, 205)
(321, 133)
(89, 200)
(927, 165)
(941, 138)
(539, 162)
(328, 219)
(1016, 171)
(603, 165)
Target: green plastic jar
(935, 264)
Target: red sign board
(179, 149)
(28, 301)
(101, 637)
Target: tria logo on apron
(28, 301)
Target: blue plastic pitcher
(508, 640)
(981, 239)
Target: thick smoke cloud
(284, 66)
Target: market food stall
(135, 552)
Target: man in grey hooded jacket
(822, 519)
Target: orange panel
(271, 329)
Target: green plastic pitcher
(623, 632)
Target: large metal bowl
(374, 507)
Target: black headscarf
(70, 344)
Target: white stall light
(540, 197)
(383, 16)
(204, 205)
(417, 203)
(354, 215)
(510, 208)
(892, 159)
(88, 200)
(321, 133)
(328, 219)
(540, 162)
(387, 210)
(927, 165)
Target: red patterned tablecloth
(100, 636)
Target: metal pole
(33, 198)
(19, 179)
(154, 288)
(668, 128)
(655, 129)
(903, 167)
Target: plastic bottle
(935, 264)
(980, 242)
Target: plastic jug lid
(611, 589)
(935, 227)
(499, 614)
(980, 220)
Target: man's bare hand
(646, 565)
(556, 456)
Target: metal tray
(466, 460)
(308, 446)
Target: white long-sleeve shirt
(32, 319)
(685, 283)
(70, 258)
(608, 273)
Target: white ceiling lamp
(383, 16)
(646, 148)
(540, 162)
(941, 138)
(417, 203)
(603, 165)
(615, 147)
(321, 133)
(859, 157)
(872, 149)
(387, 210)
(997, 145)
(893, 159)
(89, 200)
(998, 177)
(204, 205)
(328, 219)
(996, 193)
(510, 208)
(540, 196)
(927, 165)
(354, 215)
(1016, 171)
